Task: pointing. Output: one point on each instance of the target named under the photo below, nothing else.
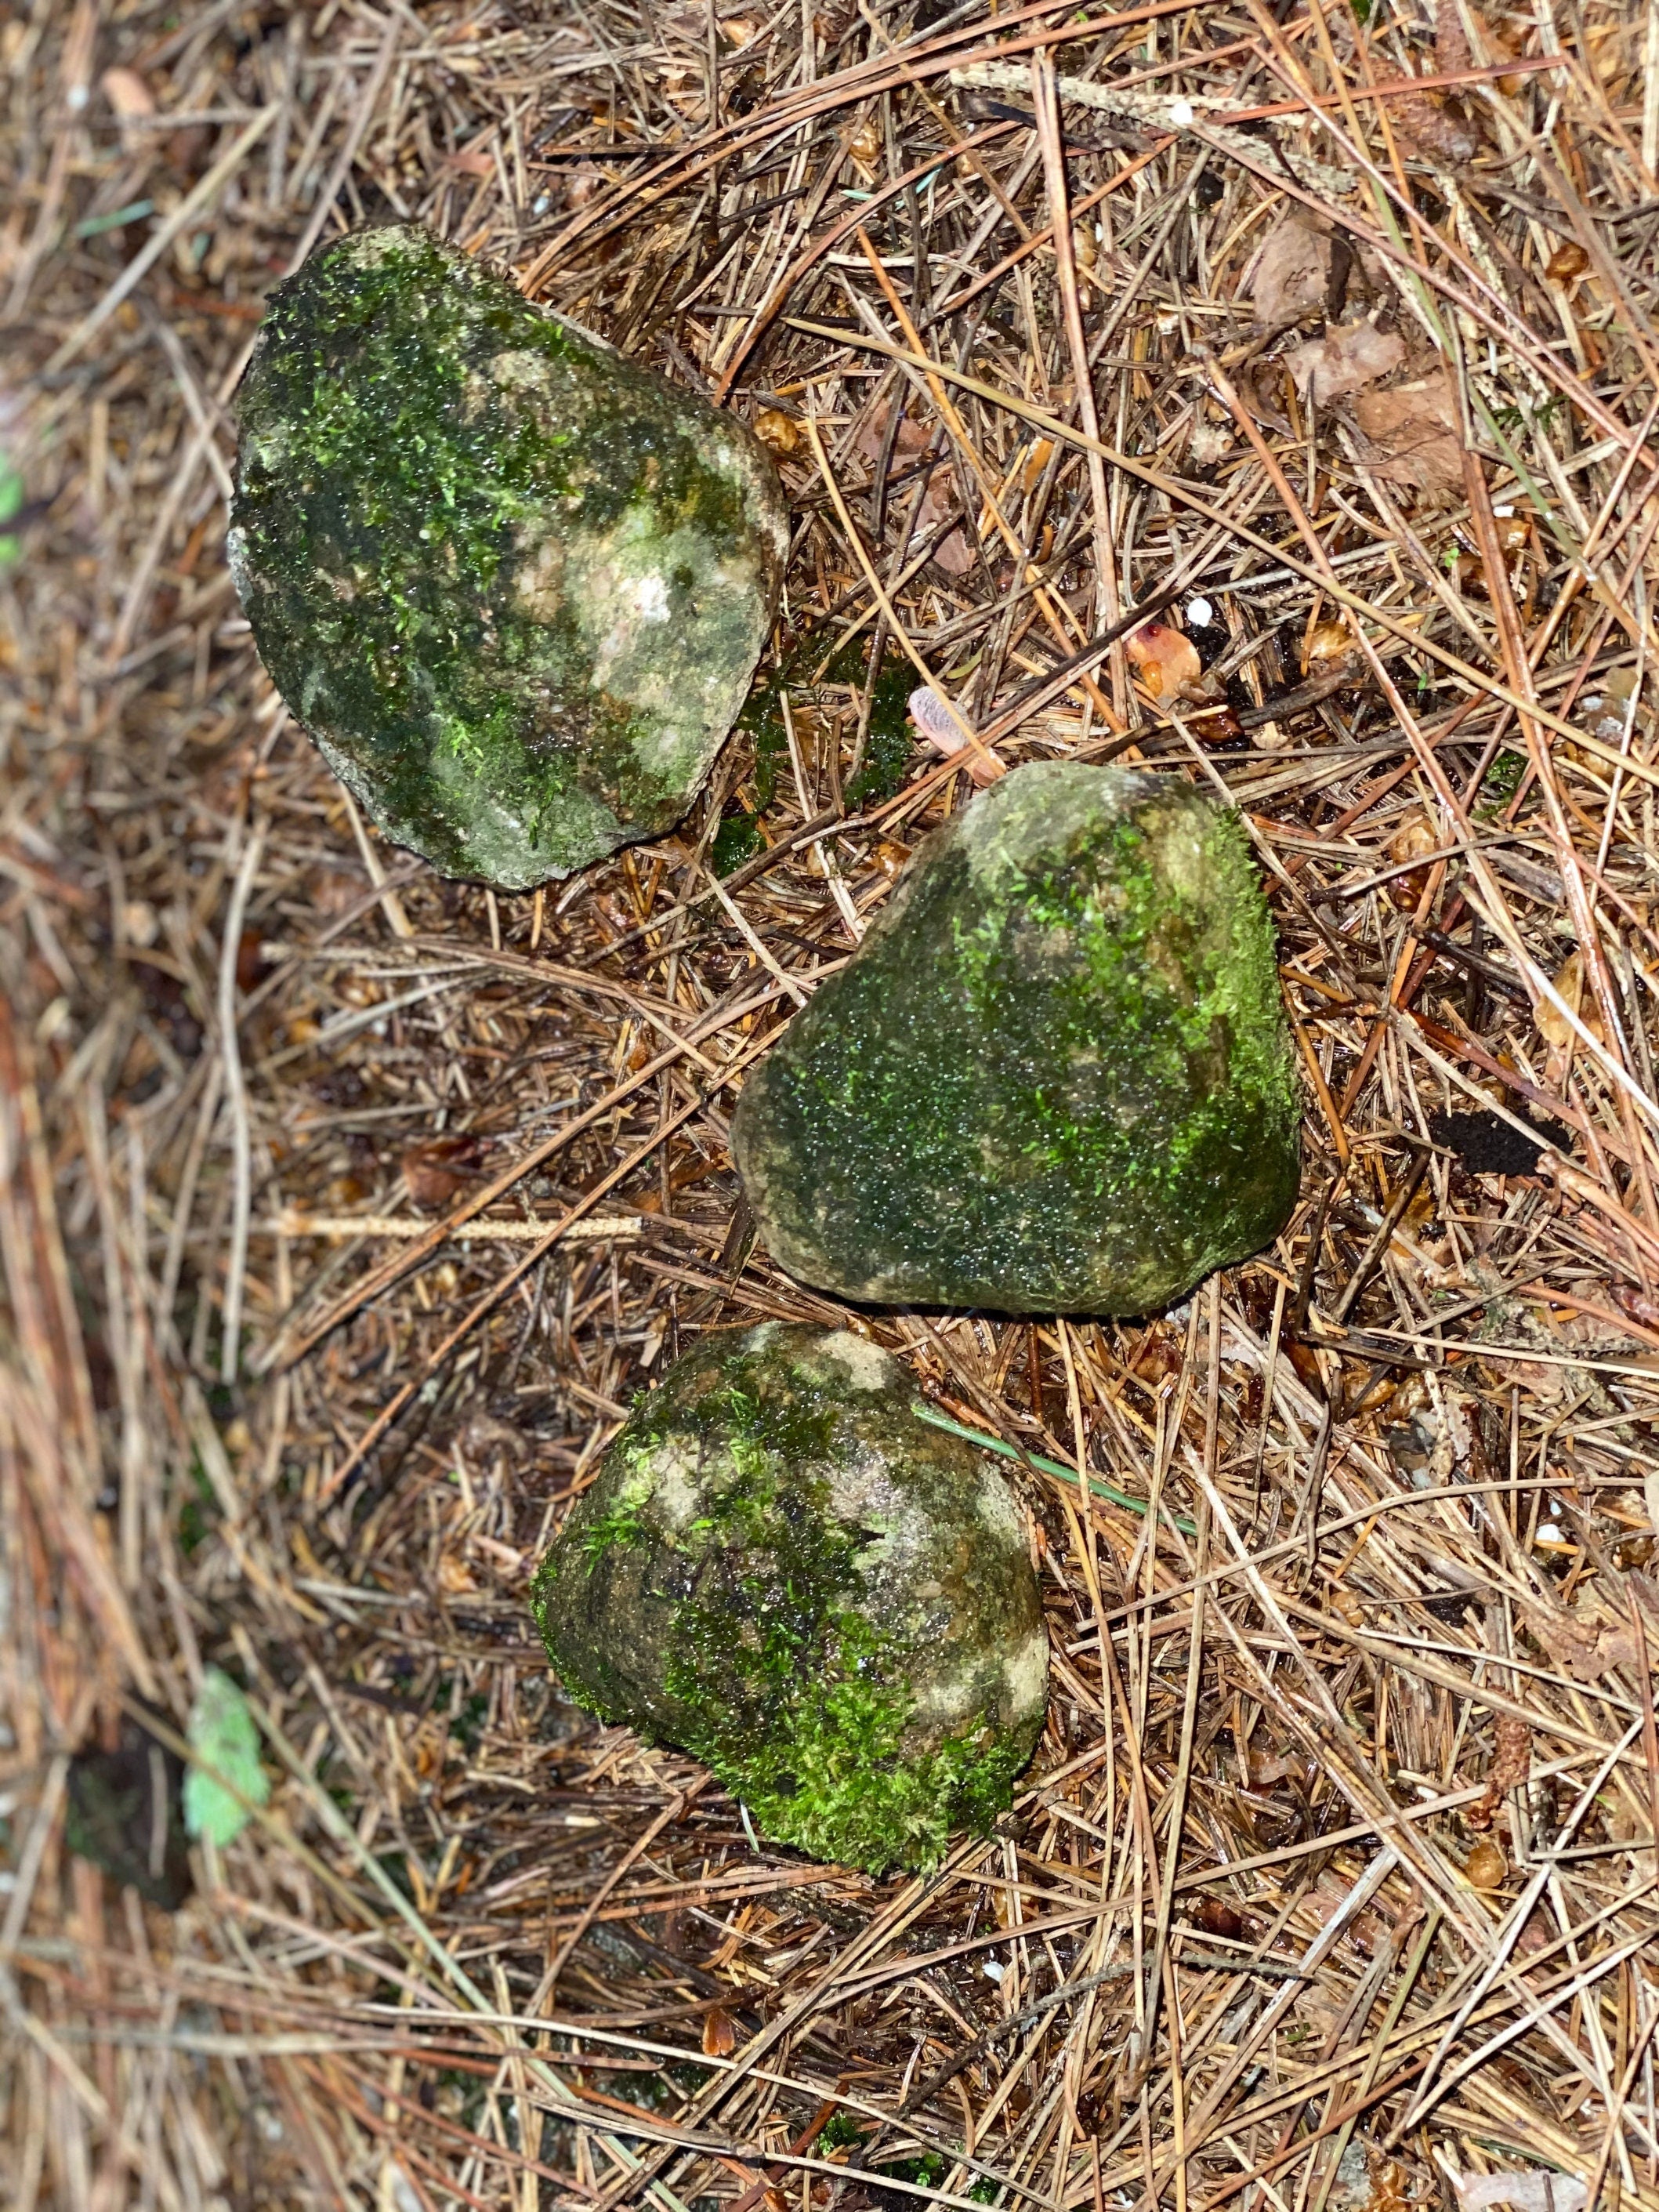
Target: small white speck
(1502, 511)
(1199, 613)
(995, 1970)
(1181, 114)
(1552, 1532)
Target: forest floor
(345, 1209)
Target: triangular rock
(1055, 1078)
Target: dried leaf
(1217, 1918)
(436, 1170)
(1291, 272)
(1553, 1026)
(1452, 50)
(222, 1734)
(1536, 2191)
(1589, 1640)
(910, 441)
(1410, 433)
(1433, 130)
(127, 93)
(720, 2036)
(1166, 662)
(954, 554)
(1345, 360)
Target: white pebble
(1552, 1532)
(1199, 613)
(995, 1970)
(1181, 114)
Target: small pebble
(1200, 613)
(995, 1970)
(1181, 114)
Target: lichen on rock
(1054, 1078)
(515, 584)
(781, 1569)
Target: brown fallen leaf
(1291, 272)
(1556, 1031)
(1590, 1638)
(127, 93)
(1432, 126)
(1345, 360)
(1166, 662)
(1217, 1918)
(1410, 433)
(1534, 2191)
(434, 1171)
(910, 441)
(1453, 51)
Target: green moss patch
(1054, 1079)
(513, 584)
(781, 1569)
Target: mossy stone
(829, 1601)
(515, 584)
(1054, 1079)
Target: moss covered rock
(514, 585)
(1054, 1078)
(783, 1571)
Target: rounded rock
(514, 585)
(1054, 1078)
(784, 1569)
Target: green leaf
(11, 502)
(222, 1736)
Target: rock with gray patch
(513, 584)
(785, 1571)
